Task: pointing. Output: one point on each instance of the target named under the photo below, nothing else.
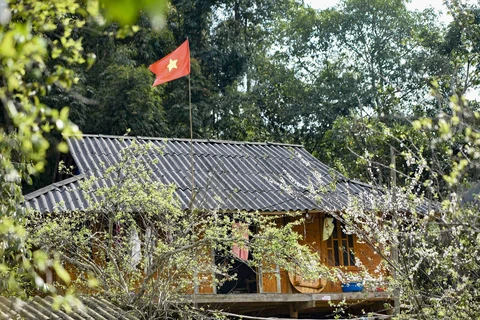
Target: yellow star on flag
(172, 65)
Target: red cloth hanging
(240, 251)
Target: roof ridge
(265, 143)
(53, 186)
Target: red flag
(173, 66)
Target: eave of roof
(54, 186)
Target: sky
(413, 5)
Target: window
(340, 250)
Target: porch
(293, 305)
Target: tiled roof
(229, 175)
(42, 308)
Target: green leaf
(61, 272)
(63, 147)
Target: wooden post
(260, 278)
(293, 311)
(279, 280)
(195, 282)
(393, 177)
(214, 282)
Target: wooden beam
(376, 317)
(289, 297)
(304, 305)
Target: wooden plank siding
(275, 280)
(271, 279)
(311, 232)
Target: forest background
(339, 81)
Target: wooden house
(244, 176)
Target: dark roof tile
(228, 175)
(42, 308)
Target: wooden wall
(273, 280)
(311, 232)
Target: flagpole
(195, 285)
(163, 71)
(191, 143)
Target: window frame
(335, 249)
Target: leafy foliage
(38, 49)
(430, 247)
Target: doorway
(245, 279)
